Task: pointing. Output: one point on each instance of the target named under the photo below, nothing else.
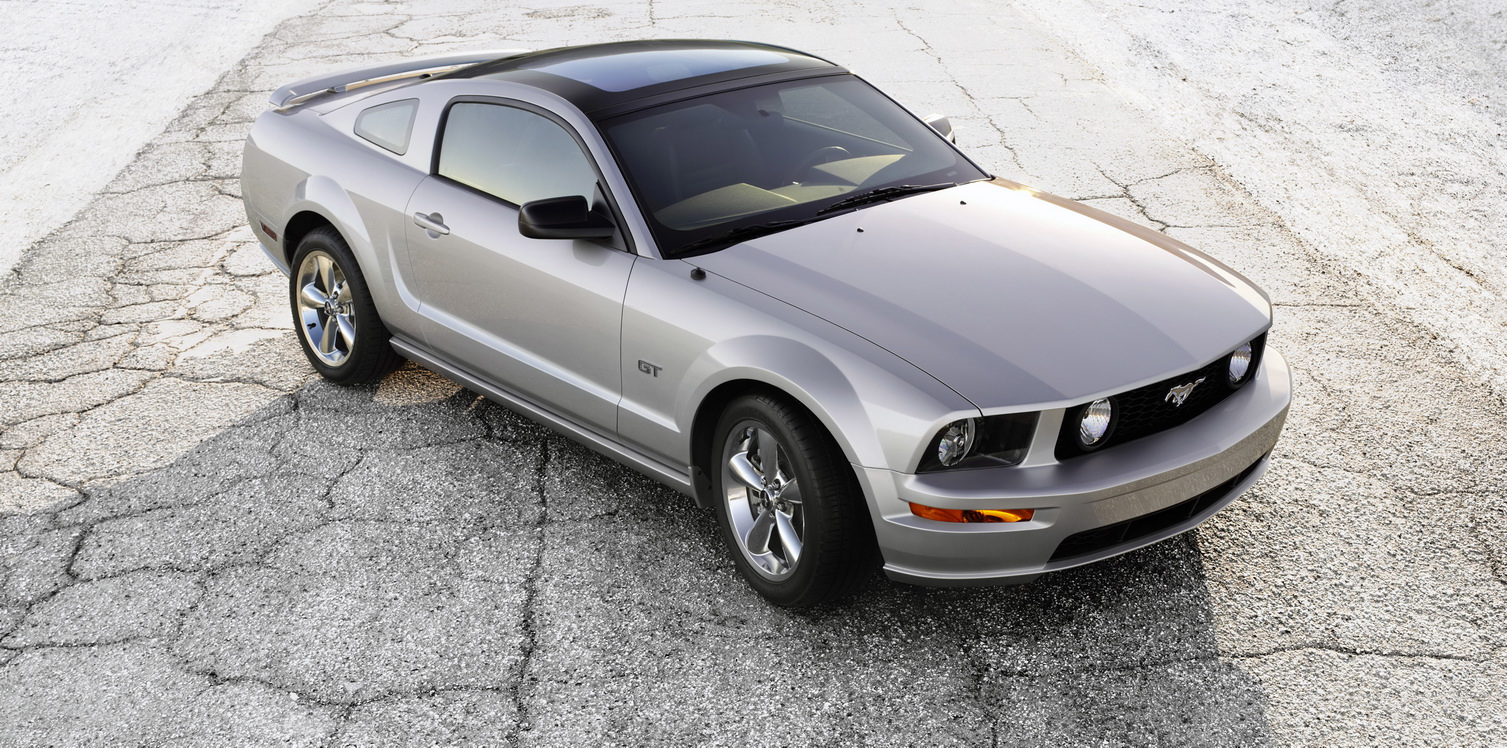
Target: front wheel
(788, 505)
(338, 325)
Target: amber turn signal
(971, 515)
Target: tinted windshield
(705, 168)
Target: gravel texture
(202, 543)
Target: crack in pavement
(530, 617)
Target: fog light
(1240, 364)
(1095, 423)
(971, 515)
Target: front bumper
(1104, 504)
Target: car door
(540, 317)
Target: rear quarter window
(388, 125)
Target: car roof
(605, 80)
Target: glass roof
(632, 70)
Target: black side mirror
(563, 218)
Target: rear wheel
(788, 505)
(338, 325)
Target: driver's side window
(513, 154)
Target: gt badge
(1178, 394)
(654, 370)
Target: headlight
(1240, 365)
(955, 443)
(1095, 423)
(991, 441)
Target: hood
(1007, 295)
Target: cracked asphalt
(203, 544)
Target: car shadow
(450, 560)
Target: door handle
(433, 223)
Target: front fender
(804, 373)
(685, 340)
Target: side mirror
(941, 124)
(562, 218)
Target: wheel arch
(298, 227)
(704, 424)
(806, 378)
(319, 200)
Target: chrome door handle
(431, 223)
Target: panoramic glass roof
(606, 80)
(626, 72)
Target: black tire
(366, 354)
(835, 555)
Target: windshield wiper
(740, 234)
(756, 230)
(882, 194)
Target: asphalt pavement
(92, 82)
(203, 544)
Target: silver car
(745, 272)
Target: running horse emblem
(1180, 393)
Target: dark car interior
(710, 160)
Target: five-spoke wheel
(338, 325)
(763, 500)
(325, 311)
(788, 502)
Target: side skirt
(675, 477)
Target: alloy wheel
(325, 309)
(763, 500)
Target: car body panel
(1142, 477)
(361, 196)
(1020, 302)
(544, 315)
(702, 334)
(675, 476)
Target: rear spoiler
(297, 92)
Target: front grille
(1108, 536)
(1145, 410)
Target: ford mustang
(749, 274)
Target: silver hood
(1009, 296)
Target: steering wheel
(820, 156)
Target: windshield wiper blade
(740, 234)
(756, 230)
(882, 194)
